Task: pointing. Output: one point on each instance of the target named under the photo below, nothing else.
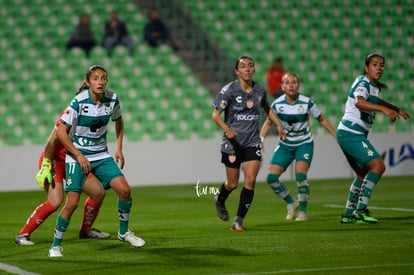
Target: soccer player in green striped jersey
(294, 111)
(82, 130)
(360, 108)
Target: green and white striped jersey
(295, 119)
(355, 120)
(88, 121)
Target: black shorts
(241, 155)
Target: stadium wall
(189, 162)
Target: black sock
(224, 193)
(246, 198)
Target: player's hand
(231, 134)
(404, 114)
(281, 132)
(44, 176)
(119, 158)
(391, 114)
(84, 163)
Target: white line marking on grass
(321, 269)
(15, 270)
(374, 207)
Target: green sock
(61, 226)
(124, 208)
(353, 195)
(370, 180)
(303, 191)
(279, 188)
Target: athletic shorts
(284, 155)
(357, 148)
(58, 169)
(241, 155)
(105, 170)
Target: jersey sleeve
(70, 114)
(314, 110)
(361, 90)
(221, 101)
(116, 114)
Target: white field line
(15, 270)
(304, 270)
(375, 207)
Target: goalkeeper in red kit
(50, 178)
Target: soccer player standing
(241, 100)
(87, 118)
(361, 106)
(294, 111)
(52, 160)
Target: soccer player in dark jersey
(241, 100)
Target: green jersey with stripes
(355, 120)
(88, 121)
(295, 119)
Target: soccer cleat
(238, 225)
(301, 216)
(56, 251)
(94, 234)
(346, 219)
(23, 240)
(221, 210)
(363, 215)
(291, 209)
(132, 239)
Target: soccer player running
(294, 111)
(52, 161)
(241, 100)
(361, 106)
(87, 118)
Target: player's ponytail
(83, 87)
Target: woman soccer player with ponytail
(241, 100)
(294, 110)
(82, 130)
(360, 108)
(52, 161)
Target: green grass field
(184, 235)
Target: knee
(98, 196)
(379, 168)
(231, 185)
(71, 207)
(124, 193)
(56, 202)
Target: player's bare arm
(62, 134)
(220, 123)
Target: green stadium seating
(323, 41)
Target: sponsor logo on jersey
(85, 109)
(243, 117)
(239, 99)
